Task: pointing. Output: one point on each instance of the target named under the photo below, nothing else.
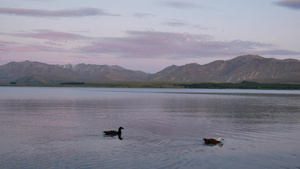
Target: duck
(213, 141)
(114, 132)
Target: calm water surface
(62, 128)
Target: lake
(49, 127)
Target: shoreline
(242, 85)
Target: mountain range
(242, 68)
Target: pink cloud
(65, 61)
(51, 35)
(17, 50)
(44, 48)
(6, 42)
(6, 46)
(55, 13)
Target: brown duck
(213, 141)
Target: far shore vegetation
(242, 85)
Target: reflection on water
(62, 128)
(118, 135)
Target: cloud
(55, 13)
(4, 43)
(141, 44)
(278, 52)
(175, 23)
(142, 15)
(55, 41)
(292, 4)
(181, 5)
(179, 23)
(173, 45)
(51, 35)
(6, 46)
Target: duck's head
(220, 139)
(121, 128)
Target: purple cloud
(142, 44)
(172, 45)
(293, 4)
(55, 13)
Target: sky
(147, 35)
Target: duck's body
(213, 141)
(114, 132)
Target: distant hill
(242, 68)
(105, 73)
(36, 72)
